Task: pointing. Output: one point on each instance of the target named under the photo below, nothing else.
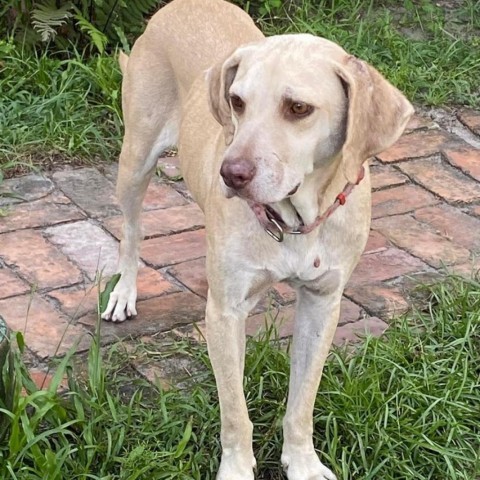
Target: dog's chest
(312, 268)
(321, 265)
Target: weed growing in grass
(405, 406)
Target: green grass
(428, 52)
(402, 407)
(54, 109)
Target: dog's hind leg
(151, 116)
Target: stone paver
(416, 145)
(383, 176)
(91, 191)
(402, 199)
(443, 180)
(354, 331)
(471, 119)
(50, 210)
(452, 223)
(47, 332)
(155, 315)
(10, 284)
(87, 245)
(163, 222)
(385, 265)
(465, 158)
(381, 299)
(37, 260)
(66, 226)
(25, 189)
(421, 241)
(192, 274)
(160, 195)
(177, 248)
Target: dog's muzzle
(277, 228)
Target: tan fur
(176, 90)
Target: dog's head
(294, 103)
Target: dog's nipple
(316, 262)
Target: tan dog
(294, 119)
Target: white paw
(236, 465)
(305, 466)
(121, 304)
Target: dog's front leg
(131, 188)
(315, 324)
(226, 349)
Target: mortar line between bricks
(59, 188)
(436, 195)
(425, 223)
(403, 249)
(444, 159)
(85, 277)
(98, 223)
(82, 210)
(49, 225)
(172, 278)
(69, 321)
(58, 305)
(466, 126)
(403, 160)
(412, 181)
(15, 270)
(176, 232)
(388, 187)
(424, 128)
(93, 221)
(158, 267)
(184, 195)
(370, 313)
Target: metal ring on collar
(278, 235)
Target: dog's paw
(235, 465)
(121, 304)
(306, 467)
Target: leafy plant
(46, 18)
(85, 23)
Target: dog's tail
(123, 61)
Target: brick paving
(65, 228)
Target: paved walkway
(66, 228)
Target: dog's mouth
(272, 221)
(293, 191)
(275, 226)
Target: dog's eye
(238, 104)
(301, 109)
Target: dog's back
(209, 31)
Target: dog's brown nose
(237, 173)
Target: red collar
(276, 227)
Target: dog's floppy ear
(219, 78)
(377, 114)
